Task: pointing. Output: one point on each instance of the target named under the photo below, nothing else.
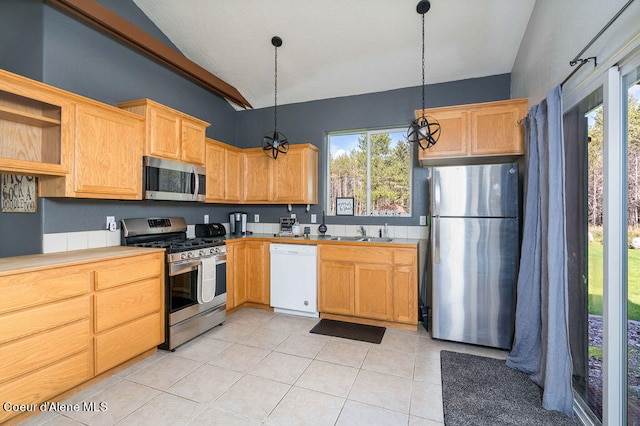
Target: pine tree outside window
(373, 167)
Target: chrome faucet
(364, 231)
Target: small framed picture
(344, 206)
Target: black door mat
(349, 330)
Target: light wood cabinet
(291, 179)
(247, 273)
(295, 176)
(107, 160)
(336, 293)
(34, 136)
(62, 325)
(128, 309)
(258, 176)
(170, 134)
(45, 342)
(258, 264)
(471, 133)
(368, 283)
(224, 172)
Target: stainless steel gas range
(195, 274)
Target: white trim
(615, 249)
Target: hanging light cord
(275, 96)
(423, 69)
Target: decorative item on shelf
(344, 206)
(424, 130)
(275, 143)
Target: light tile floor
(261, 368)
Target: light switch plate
(314, 218)
(293, 215)
(206, 218)
(423, 220)
(256, 218)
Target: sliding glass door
(602, 141)
(631, 120)
(584, 144)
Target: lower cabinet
(367, 282)
(62, 326)
(247, 272)
(128, 310)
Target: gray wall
(21, 53)
(310, 122)
(78, 58)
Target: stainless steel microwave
(173, 180)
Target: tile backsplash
(66, 241)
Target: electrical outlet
(314, 218)
(293, 215)
(256, 218)
(423, 220)
(111, 223)
(206, 218)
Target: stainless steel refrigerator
(474, 253)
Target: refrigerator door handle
(436, 240)
(436, 193)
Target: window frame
(368, 132)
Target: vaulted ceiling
(334, 48)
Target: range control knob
(183, 255)
(190, 254)
(212, 251)
(201, 253)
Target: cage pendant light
(424, 130)
(275, 143)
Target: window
(373, 167)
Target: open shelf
(27, 118)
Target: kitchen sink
(363, 239)
(346, 238)
(376, 239)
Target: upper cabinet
(224, 172)
(471, 133)
(291, 179)
(170, 134)
(107, 155)
(295, 176)
(34, 137)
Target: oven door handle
(184, 267)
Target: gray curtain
(541, 345)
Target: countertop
(318, 239)
(35, 262)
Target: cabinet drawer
(119, 344)
(31, 353)
(355, 253)
(122, 304)
(46, 383)
(404, 257)
(118, 272)
(30, 321)
(37, 288)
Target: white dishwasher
(294, 279)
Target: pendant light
(424, 130)
(275, 143)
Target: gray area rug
(484, 391)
